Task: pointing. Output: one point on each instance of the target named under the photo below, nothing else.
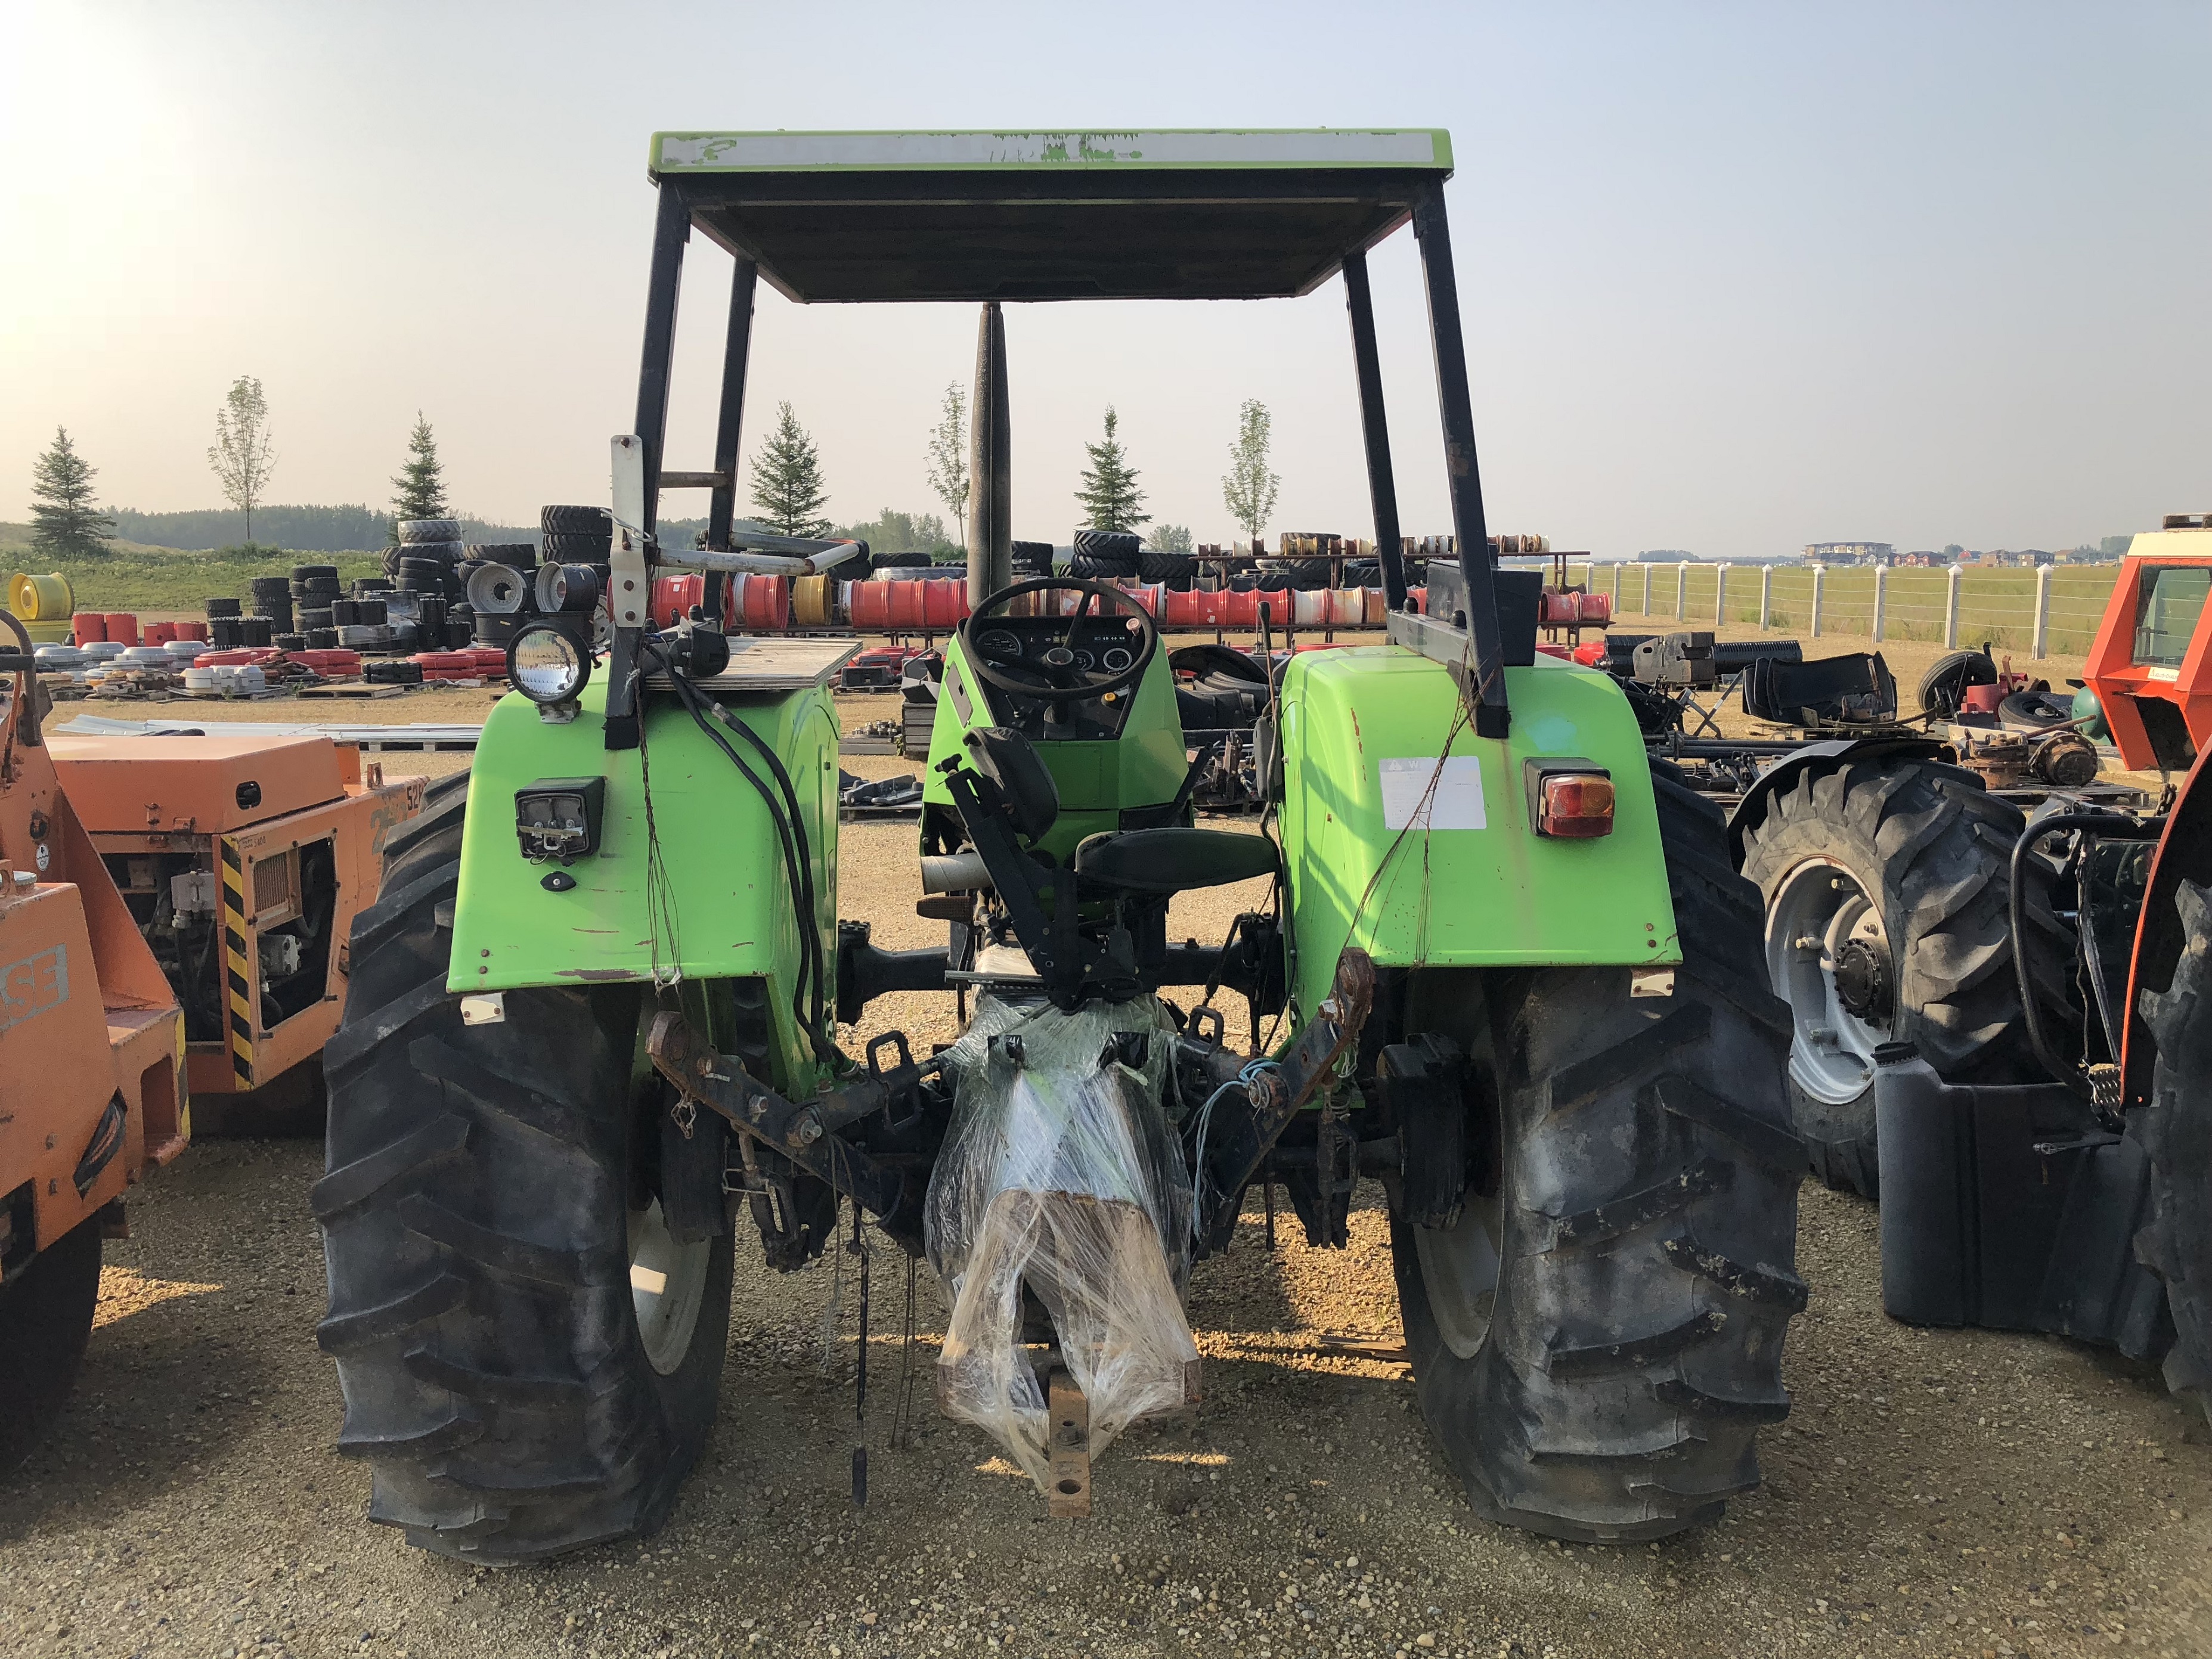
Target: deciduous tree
(1248, 487)
(948, 456)
(242, 455)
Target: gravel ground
(1941, 1492)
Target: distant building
(1850, 552)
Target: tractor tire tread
(1619, 1390)
(2176, 1129)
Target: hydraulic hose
(806, 996)
(2108, 826)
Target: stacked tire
(1106, 555)
(314, 592)
(273, 600)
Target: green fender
(1487, 890)
(728, 914)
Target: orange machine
(243, 861)
(92, 1049)
(2151, 667)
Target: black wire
(791, 834)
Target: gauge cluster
(1100, 645)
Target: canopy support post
(1484, 687)
(1374, 427)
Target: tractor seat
(1172, 860)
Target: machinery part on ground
(1598, 1337)
(529, 1345)
(2011, 1207)
(2035, 708)
(1885, 884)
(2090, 714)
(1943, 687)
(2176, 1130)
(46, 1321)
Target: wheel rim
(1459, 1269)
(667, 1286)
(1820, 908)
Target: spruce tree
(1108, 492)
(422, 480)
(65, 523)
(787, 486)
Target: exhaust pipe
(990, 465)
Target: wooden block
(1067, 1444)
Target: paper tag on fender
(1421, 794)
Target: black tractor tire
(577, 549)
(575, 521)
(2176, 1130)
(908, 561)
(2035, 709)
(1153, 567)
(1923, 850)
(1304, 575)
(46, 1321)
(477, 1213)
(415, 532)
(1083, 568)
(1943, 687)
(1597, 1355)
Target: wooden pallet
(1067, 1445)
(360, 691)
(758, 664)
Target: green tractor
(1507, 968)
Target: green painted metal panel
(729, 911)
(1155, 148)
(1363, 871)
(1096, 780)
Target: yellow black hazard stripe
(238, 969)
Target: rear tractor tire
(1598, 1338)
(1886, 884)
(45, 1322)
(2176, 1133)
(529, 1359)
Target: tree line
(787, 490)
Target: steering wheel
(1062, 678)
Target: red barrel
(908, 603)
(1557, 608)
(160, 633)
(673, 598)
(868, 606)
(763, 601)
(189, 631)
(943, 602)
(122, 628)
(89, 626)
(1594, 608)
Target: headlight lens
(547, 665)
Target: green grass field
(157, 578)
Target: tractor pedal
(1068, 1449)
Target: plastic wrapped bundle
(1062, 1171)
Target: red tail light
(1571, 801)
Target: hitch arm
(804, 1133)
(1276, 1096)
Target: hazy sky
(1736, 277)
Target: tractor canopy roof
(1166, 215)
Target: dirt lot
(1932, 1492)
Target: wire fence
(2051, 610)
